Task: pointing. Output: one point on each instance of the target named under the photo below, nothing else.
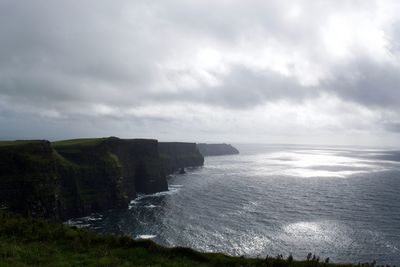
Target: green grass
(19, 142)
(29, 242)
(114, 160)
(81, 141)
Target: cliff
(73, 178)
(216, 149)
(176, 155)
(29, 178)
(99, 174)
(77, 177)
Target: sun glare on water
(310, 163)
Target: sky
(303, 72)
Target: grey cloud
(70, 52)
(243, 88)
(392, 126)
(368, 83)
(65, 56)
(61, 51)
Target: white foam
(137, 200)
(145, 236)
(171, 191)
(83, 221)
(151, 206)
(98, 218)
(139, 197)
(78, 224)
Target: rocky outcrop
(177, 155)
(77, 177)
(217, 149)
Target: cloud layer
(265, 71)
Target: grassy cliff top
(80, 141)
(28, 242)
(20, 142)
(95, 141)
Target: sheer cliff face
(176, 155)
(75, 178)
(109, 174)
(28, 178)
(216, 149)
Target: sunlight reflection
(315, 163)
(304, 173)
(317, 232)
(305, 229)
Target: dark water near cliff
(336, 202)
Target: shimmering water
(340, 203)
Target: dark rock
(176, 155)
(29, 178)
(217, 149)
(77, 177)
(111, 173)
(74, 178)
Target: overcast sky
(236, 71)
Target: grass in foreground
(29, 242)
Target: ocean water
(342, 203)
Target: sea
(336, 202)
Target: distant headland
(216, 149)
